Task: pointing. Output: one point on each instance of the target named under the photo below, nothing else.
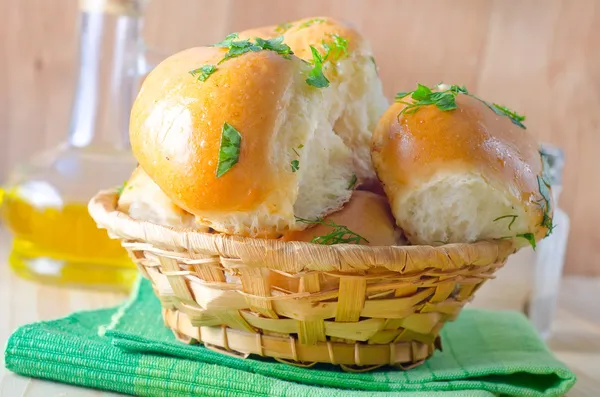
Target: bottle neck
(110, 55)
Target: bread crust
(366, 214)
(177, 123)
(408, 150)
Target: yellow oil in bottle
(62, 245)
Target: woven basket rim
(292, 256)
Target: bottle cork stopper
(118, 7)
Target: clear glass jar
(550, 253)
(45, 199)
(530, 280)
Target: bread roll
(177, 125)
(460, 175)
(366, 214)
(143, 200)
(356, 94)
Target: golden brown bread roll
(355, 94)
(461, 175)
(366, 214)
(143, 200)
(290, 162)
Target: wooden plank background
(539, 57)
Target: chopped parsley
(423, 96)
(203, 72)
(545, 203)
(283, 27)
(240, 47)
(352, 182)
(340, 234)
(227, 42)
(500, 110)
(310, 22)
(529, 237)
(295, 165)
(316, 78)
(276, 44)
(514, 218)
(375, 65)
(445, 100)
(229, 151)
(544, 184)
(236, 47)
(334, 51)
(121, 188)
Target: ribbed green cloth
(485, 354)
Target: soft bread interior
(143, 200)
(453, 208)
(360, 104)
(325, 177)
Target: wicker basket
(302, 303)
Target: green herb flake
(229, 39)
(545, 203)
(203, 72)
(295, 165)
(445, 100)
(229, 151)
(529, 237)
(316, 78)
(335, 49)
(375, 65)
(401, 95)
(275, 45)
(340, 234)
(300, 146)
(283, 27)
(514, 218)
(352, 182)
(236, 47)
(459, 89)
(544, 184)
(121, 188)
(424, 96)
(310, 22)
(544, 190)
(421, 93)
(516, 118)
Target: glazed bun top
(461, 175)
(244, 144)
(367, 215)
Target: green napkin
(128, 350)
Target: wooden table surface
(575, 340)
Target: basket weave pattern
(299, 302)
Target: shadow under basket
(301, 303)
